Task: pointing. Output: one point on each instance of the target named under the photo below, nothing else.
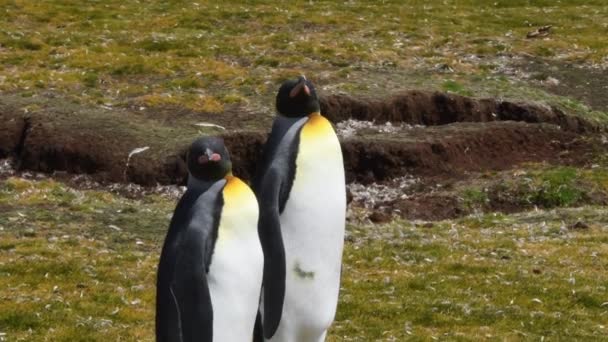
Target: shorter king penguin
(302, 194)
(211, 264)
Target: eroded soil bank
(450, 136)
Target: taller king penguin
(301, 190)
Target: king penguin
(211, 265)
(302, 194)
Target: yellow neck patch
(235, 188)
(240, 211)
(316, 126)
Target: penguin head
(208, 159)
(297, 98)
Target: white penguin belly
(235, 273)
(312, 226)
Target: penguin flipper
(258, 334)
(190, 291)
(269, 229)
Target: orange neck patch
(316, 126)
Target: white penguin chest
(313, 221)
(235, 273)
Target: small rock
(540, 32)
(442, 67)
(349, 237)
(552, 81)
(536, 271)
(379, 217)
(579, 225)
(136, 288)
(29, 232)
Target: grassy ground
(80, 265)
(204, 56)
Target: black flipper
(269, 229)
(280, 127)
(258, 334)
(182, 291)
(190, 290)
(166, 312)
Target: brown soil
(451, 150)
(435, 108)
(461, 135)
(439, 198)
(428, 207)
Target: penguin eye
(203, 159)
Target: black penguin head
(208, 159)
(297, 98)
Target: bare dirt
(454, 136)
(436, 108)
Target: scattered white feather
(138, 150)
(131, 154)
(351, 127)
(116, 228)
(6, 167)
(373, 194)
(208, 124)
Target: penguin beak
(298, 88)
(213, 156)
(209, 156)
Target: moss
(557, 187)
(474, 198)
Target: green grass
(72, 277)
(68, 274)
(533, 185)
(474, 198)
(119, 51)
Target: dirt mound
(13, 132)
(456, 148)
(435, 108)
(460, 134)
